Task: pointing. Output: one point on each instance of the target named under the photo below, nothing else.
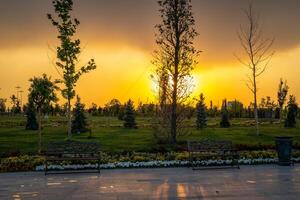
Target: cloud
(132, 22)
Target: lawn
(114, 138)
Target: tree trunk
(174, 117)
(40, 131)
(175, 80)
(69, 120)
(280, 115)
(255, 105)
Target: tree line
(174, 59)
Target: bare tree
(175, 58)
(258, 53)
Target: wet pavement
(250, 182)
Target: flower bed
(137, 160)
(160, 164)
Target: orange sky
(120, 37)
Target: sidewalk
(250, 182)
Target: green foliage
(201, 113)
(113, 107)
(21, 163)
(109, 132)
(224, 116)
(42, 91)
(129, 115)
(79, 124)
(235, 108)
(31, 122)
(290, 121)
(41, 94)
(29, 163)
(69, 50)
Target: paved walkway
(250, 182)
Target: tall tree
(68, 52)
(201, 112)
(257, 49)
(79, 123)
(281, 96)
(129, 116)
(175, 58)
(41, 93)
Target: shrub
(79, 124)
(201, 113)
(224, 116)
(129, 116)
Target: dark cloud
(132, 21)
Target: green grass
(114, 138)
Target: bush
(290, 121)
(129, 116)
(31, 121)
(21, 163)
(79, 124)
(224, 116)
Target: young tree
(201, 112)
(175, 58)
(31, 122)
(290, 121)
(79, 124)
(281, 96)
(257, 50)
(41, 93)
(224, 115)
(68, 52)
(129, 116)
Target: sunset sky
(119, 35)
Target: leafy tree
(31, 121)
(175, 60)
(129, 116)
(2, 105)
(257, 53)
(121, 112)
(281, 96)
(68, 52)
(93, 110)
(16, 108)
(235, 108)
(42, 94)
(79, 124)
(201, 113)
(113, 107)
(224, 115)
(290, 121)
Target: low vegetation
(113, 137)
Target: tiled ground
(250, 182)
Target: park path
(250, 182)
